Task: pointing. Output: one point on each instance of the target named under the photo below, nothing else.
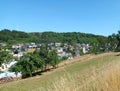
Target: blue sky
(101, 17)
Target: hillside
(68, 37)
(14, 36)
(76, 76)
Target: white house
(5, 67)
(9, 74)
(20, 54)
(3, 44)
(59, 50)
(57, 44)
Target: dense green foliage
(27, 64)
(53, 58)
(34, 62)
(118, 41)
(14, 36)
(69, 37)
(5, 57)
(114, 42)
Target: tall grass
(103, 79)
(97, 73)
(109, 80)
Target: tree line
(14, 36)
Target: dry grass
(103, 79)
(30, 50)
(88, 73)
(109, 80)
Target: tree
(94, 46)
(30, 63)
(43, 54)
(53, 58)
(27, 65)
(102, 43)
(15, 68)
(112, 42)
(5, 57)
(118, 38)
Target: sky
(100, 17)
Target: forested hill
(68, 37)
(13, 36)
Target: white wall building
(5, 67)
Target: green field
(82, 71)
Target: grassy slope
(84, 69)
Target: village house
(6, 66)
(57, 44)
(85, 48)
(3, 44)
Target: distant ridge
(14, 36)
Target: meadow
(87, 73)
